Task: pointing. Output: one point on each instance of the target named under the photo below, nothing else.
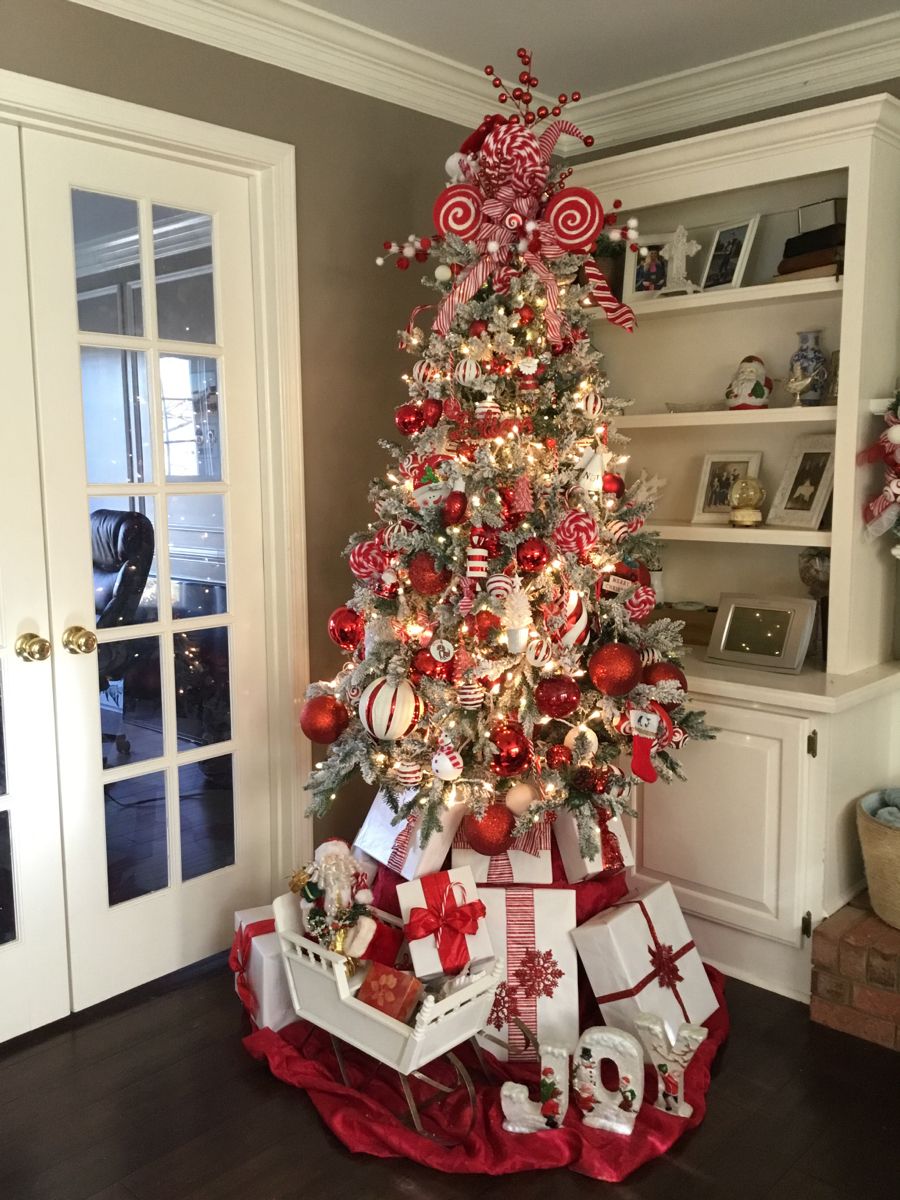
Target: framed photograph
(728, 255)
(805, 487)
(646, 274)
(772, 632)
(719, 472)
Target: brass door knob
(78, 640)
(32, 647)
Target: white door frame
(268, 167)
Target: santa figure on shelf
(750, 386)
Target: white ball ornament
(582, 731)
(539, 652)
(493, 246)
(442, 273)
(892, 434)
(520, 798)
(390, 711)
(441, 649)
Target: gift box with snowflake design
(530, 929)
(640, 957)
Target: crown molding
(300, 38)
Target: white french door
(141, 290)
(34, 977)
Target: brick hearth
(856, 974)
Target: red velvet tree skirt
(365, 1117)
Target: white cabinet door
(143, 302)
(34, 977)
(732, 837)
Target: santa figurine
(750, 386)
(336, 887)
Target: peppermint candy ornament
(539, 652)
(458, 210)
(641, 604)
(576, 532)
(576, 216)
(367, 561)
(470, 695)
(467, 372)
(498, 587)
(390, 711)
(447, 763)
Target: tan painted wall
(366, 171)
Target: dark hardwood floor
(152, 1097)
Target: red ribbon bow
(446, 920)
(239, 959)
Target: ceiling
(646, 69)
(599, 45)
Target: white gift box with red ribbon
(613, 849)
(640, 957)
(527, 860)
(444, 922)
(397, 846)
(260, 978)
(530, 929)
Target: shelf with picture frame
(824, 415)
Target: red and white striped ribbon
(520, 942)
(400, 848)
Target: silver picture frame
(768, 632)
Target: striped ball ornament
(593, 403)
(408, 773)
(390, 710)
(617, 530)
(487, 408)
(649, 656)
(470, 695)
(498, 586)
(424, 372)
(467, 371)
(539, 652)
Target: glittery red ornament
(424, 663)
(455, 508)
(526, 314)
(613, 485)
(432, 411)
(514, 751)
(615, 669)
(346, 627)
(558, 756)
(424, 576)
(323, 719)
(477, 328)
(591, 779)
(409, 419)
(492, 833)
(558, 696)
(659, 672)
(533, 555)
(485, 622)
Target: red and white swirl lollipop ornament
(457, 210)
(368, 561)
(576, 217)
(576, 532)
(641, 604)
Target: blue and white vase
(811, 359)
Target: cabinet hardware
(812, 743)
(806, 924)
(78, 640)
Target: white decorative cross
(676, 253)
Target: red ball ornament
(477, 328)
(613, 485)
(558, 696)
(532, 555)
(323, 719)
(424, 663)
(432, 411)
(591, 779)
(660, 672)
(409, 419)
(492, 833)
(514, 751)
(526, 314)
(615, 669)
(346, 627)
(558, 756)
(485, 622)
(424, 576)
(455, 508)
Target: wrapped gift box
(390, 991)
(640, 957)
(530, 929)
(369, 864)
(613, 850)
(444, 922)
(260, 978)
(528, 860)
(397, 846)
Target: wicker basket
(881, 854)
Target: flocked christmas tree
(502, 648)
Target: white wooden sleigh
(323, 994)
